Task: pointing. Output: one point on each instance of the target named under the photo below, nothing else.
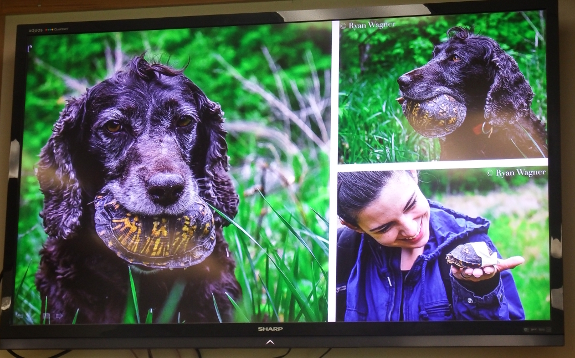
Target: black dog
(472, 78)
(127, 177)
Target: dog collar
(483, 128)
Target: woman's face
(399, 217)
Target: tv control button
(270, 342)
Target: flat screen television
(382, 176)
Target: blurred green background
(517, 207)
(271, 82)
(372, 59)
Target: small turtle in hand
(472, 255)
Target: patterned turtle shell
(466, 256)
(436, 117)
(156, 241)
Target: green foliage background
(372, 59)
(295, 184)
(517, 207)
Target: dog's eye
(113, 126)
(455, 58)
(184, 121)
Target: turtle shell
(435, 117)
(155, 241)
(466, 256)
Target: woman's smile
(416, 236)
(399, 216)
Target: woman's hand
(487, 272)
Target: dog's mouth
(155, 241)
(434, 117)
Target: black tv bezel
(326, 334)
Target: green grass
(275, 274)
(519, 227)
(525, 236)
(134, 291)
(372, 127)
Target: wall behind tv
(14, 12)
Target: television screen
(383, 176)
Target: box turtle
(435, 117)
(473, 255)
(155, 241)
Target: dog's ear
(218, 186)
(510, 95)
(57, 176)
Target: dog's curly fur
(144, 120)
(475, 71)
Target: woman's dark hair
(356, 190)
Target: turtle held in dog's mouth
(162, 241)
(434, 117)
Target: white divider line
(464, 164)
(331, 297)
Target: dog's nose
(165, 188)
(404, 81)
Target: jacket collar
(447, 226)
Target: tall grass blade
(290, 228)
(247, 234)
(295, 271)
(281, 267)
(242, 248)
(298, 295)
(534, 142)
(129, 311)
(238, 309)
(278, 294)
(516, 146)
(75, 316)
(134, 296)
(171, 304)
(22, 280)
(150, 316)
(292, 303)
(320, 217)
(216, 308)
(280, 301)
(320, 241)
(393, 159)
(231, 221)
(309, 298)
(266, 284)
(270, 300)
(314, 297)
(45, 311)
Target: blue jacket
(430, 292)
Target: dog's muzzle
(156, 241)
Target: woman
(399, 270)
